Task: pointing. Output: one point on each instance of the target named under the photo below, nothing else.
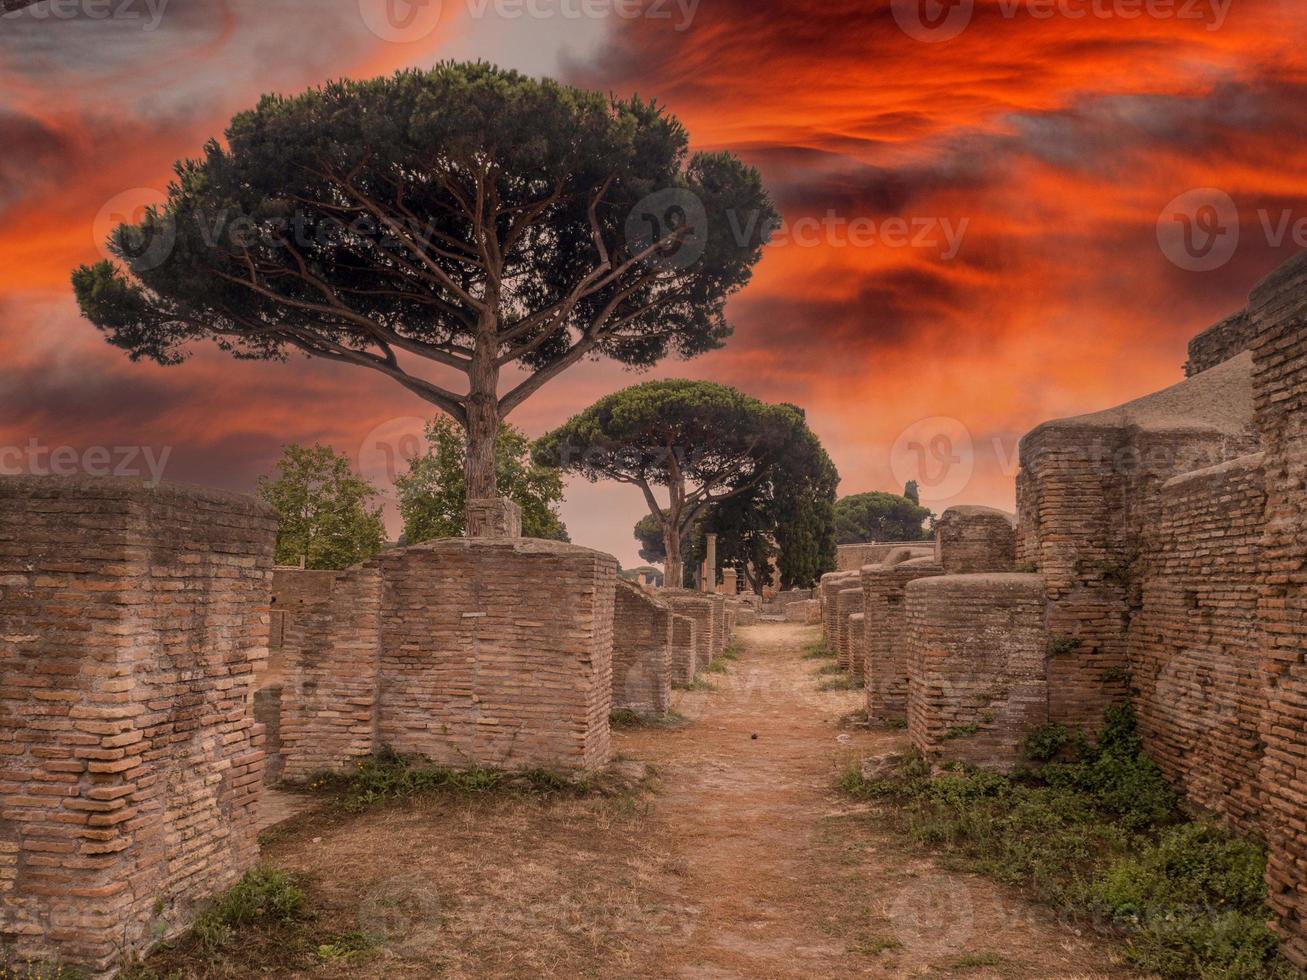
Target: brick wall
(885, 640)
(1218, 344)
(132, 620)
(683, 647)
(806, 611)
(1194, 643)
(977, 651)
(1279, 312)
(976, 539)
(497, 652)
(851, 557)
(330, 656)
(847, 602)
(697, 607)
(1087, 492)
(831, 585)
(642, 651)
(857, 647)
(719, 624)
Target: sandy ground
(744, 863)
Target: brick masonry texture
(494, 517)
(885, 634)
(719, 624)
(857, 632)
(831, 585)
(697, 607)
(132, 621)
(1279, 311)
(1087, 493)
(851, 557)
(805, 611)
(442, 650)
(847, 602)
(1194, 643)
(642, 651)
(976, 664)
(976, 539)
(1218, 344)
(683, 646)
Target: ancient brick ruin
(132, 621)
(642, 652)
(1157, 554)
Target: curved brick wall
(885, 640)
(976, 539)
(847, 602)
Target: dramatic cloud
(971, 225)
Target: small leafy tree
(322, 509)
(704, 443)
(464, 218)
(433, 491)
(879, 516)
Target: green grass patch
(1103, 838)
(388, 777)
(818, 650)
(698, 684)
(625, 718)
(874, 945)
(845, 682)
(973, 961)
(718, 666)
(13, 969)
(264, 897)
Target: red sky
(1047, 138)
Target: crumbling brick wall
(699, 608)
(857, 645)
(719, 625)
(831, 585)
(1088, 493)
(806, 611)
(847, 602)
(1194, 643)
(1218, 344)
(977, 653)
(851, 557)
(642, 651)
(1279, 312)
(885, 641)
(132, 620)
(683, 649)
(976, 539)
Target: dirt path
(791, 879)
(745, 863)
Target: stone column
(703, 577)
(711, 563)
(494, 517)
(729, 584)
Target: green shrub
(1101, 837)
(264, 897)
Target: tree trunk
(673, 574)
(482, 419)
